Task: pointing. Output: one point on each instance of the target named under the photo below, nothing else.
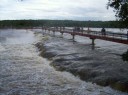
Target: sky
(56, 10)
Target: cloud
(55, 9)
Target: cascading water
(23, 72)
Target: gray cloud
(55, 9)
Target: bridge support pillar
(42, 28)
(61, 33)
(60, 29)
(42, 31)
(93, 43)
(54, 32)
(82, 30)
(63, 28)
(73, 37)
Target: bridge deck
(109, 36)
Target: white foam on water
(23, 72)
(2, 48)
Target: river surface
(24, 72)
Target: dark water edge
(95, 66)
(125, 56)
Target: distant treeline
(59, 23)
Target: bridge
(108, 36)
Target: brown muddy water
(24, 72)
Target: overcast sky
(56, 9)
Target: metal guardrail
(99, 33)
(109, 34)
(96, 33)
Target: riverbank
(98, 66)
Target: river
(24, 72)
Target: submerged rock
(95, 66)
(125, 56)
(122, 86)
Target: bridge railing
(96, 33)
(110, 34)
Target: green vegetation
(65, 23)
(121, 9)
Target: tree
(121, 9)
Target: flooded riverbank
(24, 72)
